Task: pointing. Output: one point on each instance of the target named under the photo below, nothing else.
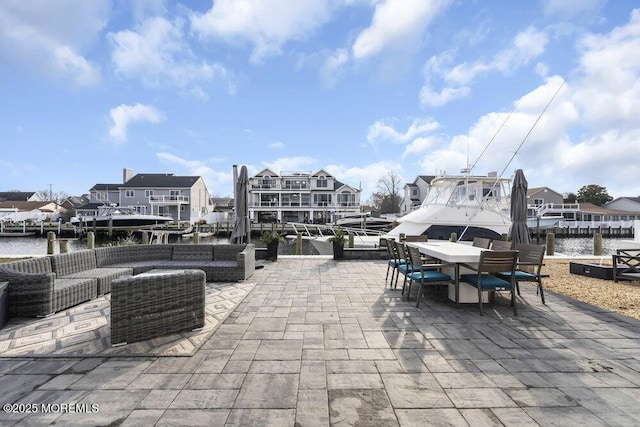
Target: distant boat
(365, 221)
(546, 222)
(119, 216)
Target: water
(577, 246)
(38, 246)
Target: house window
(346, 199)
(322, 182)
(414, 192)
(538, 202)
(148, 193)
(129, 193)
(267, 182)
(322, 199)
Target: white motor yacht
(120, 216)
(468, 205)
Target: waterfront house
(20, 196)
(415, 192)
(625, 204)
(31, 211)
(300, 197)
(185, 198)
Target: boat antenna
(504, 122)
(546, 107)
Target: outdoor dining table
(454, 253)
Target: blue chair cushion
(407, 268)
(394, 263)
(520, 275)
(429, 276)
(487, 281)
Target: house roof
(595, 209)
(535, 190)
(264, 172)
(106, 187)
(16, 196)
(160, 180)
(631, 199)
(29, 206)
(426, 178)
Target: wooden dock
(224, 229)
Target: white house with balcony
(184, 198)
(300, 197)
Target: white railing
(169, 199)
(329, 229)
(594, 224)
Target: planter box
(597, 271)
(468, 294)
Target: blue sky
(358, 88)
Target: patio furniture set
(488, 266)
(153, 287)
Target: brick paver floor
(319, 342)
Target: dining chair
(530, 262)
(486, 279)
(481, 242)
(404, 268)
(500, 245)
(425, 274)
(393, 262)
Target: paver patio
(320, 342)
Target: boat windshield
(468, 191)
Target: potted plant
(272, 239)
(338, 240)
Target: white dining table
(453, 253)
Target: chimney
(127, 174)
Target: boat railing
(321, 230)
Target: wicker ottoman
(156, 303)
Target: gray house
(624, 204)
(415, 193)
(185, 198)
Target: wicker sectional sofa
(45, 285)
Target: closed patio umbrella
(240, 233)
(519, 231)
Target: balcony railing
(169, 199)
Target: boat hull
(120, 222)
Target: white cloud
(123, 115)
(44, 36)
(157, 53)
(333, 66)
(266, 24)
(218, 183)
(610, 67)
(276, 146)
(526, 46)
(292, 164)
(396, 24)
(366, 176)
(380, 132)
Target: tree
(387, 198)
(51, 196)
(595, 194)
(570, 198)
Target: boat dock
(223, 229)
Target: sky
(358, 88)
